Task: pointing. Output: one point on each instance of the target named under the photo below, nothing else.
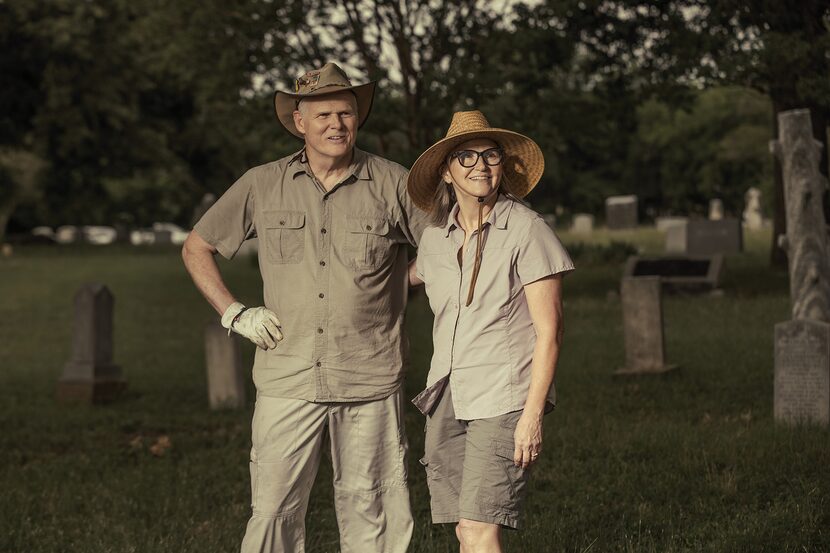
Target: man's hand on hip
(258, 324)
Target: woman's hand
(527, 439)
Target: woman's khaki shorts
(470, 470)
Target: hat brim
(285, 103)
(523, 165)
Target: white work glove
(258, 324)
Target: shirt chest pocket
(368, 245)
(284, 236)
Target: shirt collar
(359, 167)
(497, 217)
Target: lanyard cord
(477, 263)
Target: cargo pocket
(284, 236)
(505, 480)
(368, 245)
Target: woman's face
(481, 179)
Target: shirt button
(322, 264)
(321, 295)
(319, 364)
(368, 227)
(319, 331)
(323, 230)
(282, 222)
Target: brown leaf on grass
(163, 443)
(136, 443)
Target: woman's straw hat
(523, 163)
(328, 79)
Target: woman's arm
(544, 300)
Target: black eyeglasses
(469, 158)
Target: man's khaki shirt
(334, 270)
(486, 349)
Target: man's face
(329, 124)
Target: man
(332, 223)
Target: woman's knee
(473, 534)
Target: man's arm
(260, 325)
(198, 257)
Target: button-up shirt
(334, 270)
(486, 349)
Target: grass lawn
(687, 461)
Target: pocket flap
(367, 225)
(284, 219)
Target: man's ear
(298, 121)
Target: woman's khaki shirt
(487, 348)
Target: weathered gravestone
(663, 224)
(802, 345)
(583, 223)
(715, 209)
(643, 326)
(802, 372)
(621, 212)
(713, 237)
(752, 216)
(226, 384)
(90, 375)
(687, 273)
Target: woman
(493, 274)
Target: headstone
(226, 385)
(802, 372)
(162, 237)
(43, 232)
(687, 273)
(715, 209)
(676, 239)
(621, 212)
(142, 237)
(6, 250)
(550, 219)
(643, 326)
(802, 345)
(90, 375)
(663, 224)
(99, 235)
(67, 234)
(753, 218)
(712, 237)
(583, 223)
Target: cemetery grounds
(686, 461)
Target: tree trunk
(6, 210)
(807, 241)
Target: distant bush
(616, 251)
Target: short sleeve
(419, 267)
(230, 221)
(413, 219)
(541, 254)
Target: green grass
(688, 461)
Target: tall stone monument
(752, 216)
(715, 209)
(642, 307)
(90, 376)
(802, 345)
(226, 385)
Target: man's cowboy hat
(523, 162)
(326, 80)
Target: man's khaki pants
(368, 451)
